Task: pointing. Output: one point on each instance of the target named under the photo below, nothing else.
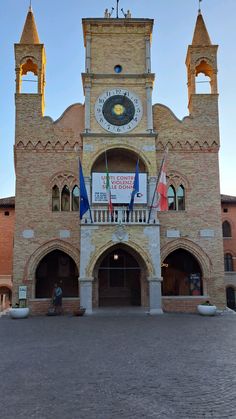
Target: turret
(201, 58)
(30, 57)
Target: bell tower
(29, 58)
(119, 137)
(202, 58)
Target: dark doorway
(230, 296)
(56, 267)
(119, 280)
(182, 274)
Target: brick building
(228, 206)
(7, 219)
(171, 260)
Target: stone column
(88, 54)
(152, 232)
(214, 88)
(155, 301)
(18, 80)
(149, 108)
(148, 55)
(86, 293)
(87, 108)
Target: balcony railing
(120, 215)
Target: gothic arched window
(55, 198)
(75, 199)
(228, 259)
(180, 198)
(226, 227)
(65, 199)
(171, 198)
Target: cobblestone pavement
(112, 367)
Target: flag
(84, 202)
(161, 189)
(135, 187)
(108, 190)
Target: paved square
(112, 367)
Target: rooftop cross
(199, 6)
(108, 14)
(117, 9)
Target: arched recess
(121, 281)
(126, 156)
(5, 296)
(196, 251)
(56, 267)
(29, 75)
(230, 297)
(182, 275)
(136, 250)
(41, 252)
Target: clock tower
(118, 85)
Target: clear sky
(59, 28)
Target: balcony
(120, 215)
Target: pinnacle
(200, 36)
(30, 33)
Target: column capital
(85, 279)
(155, 279)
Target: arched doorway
(56, 267)
(5, 297)
(182, 274)
(119, 279)
(230, 296)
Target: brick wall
(6, 240)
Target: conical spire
(200, 36)
(30, 33)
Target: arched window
(29, 83)
(203, 85)
(228, 262)
(226, 229)
(29, 77)
(55, 198)
(171, 198)
(75, 199)
(65, 199)
(180, 198)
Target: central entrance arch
(120, 279)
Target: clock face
(118, 110)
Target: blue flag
(135, 187)
(84, 202)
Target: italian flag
(162, 203)
(108, 190)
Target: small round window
(118, 69)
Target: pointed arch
(38, 255)
(191, 247)
(140, 253)
(65, 199)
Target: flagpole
(81, 174)
(132, 197)
(90, 213)
(110, 206)
(158, 178)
